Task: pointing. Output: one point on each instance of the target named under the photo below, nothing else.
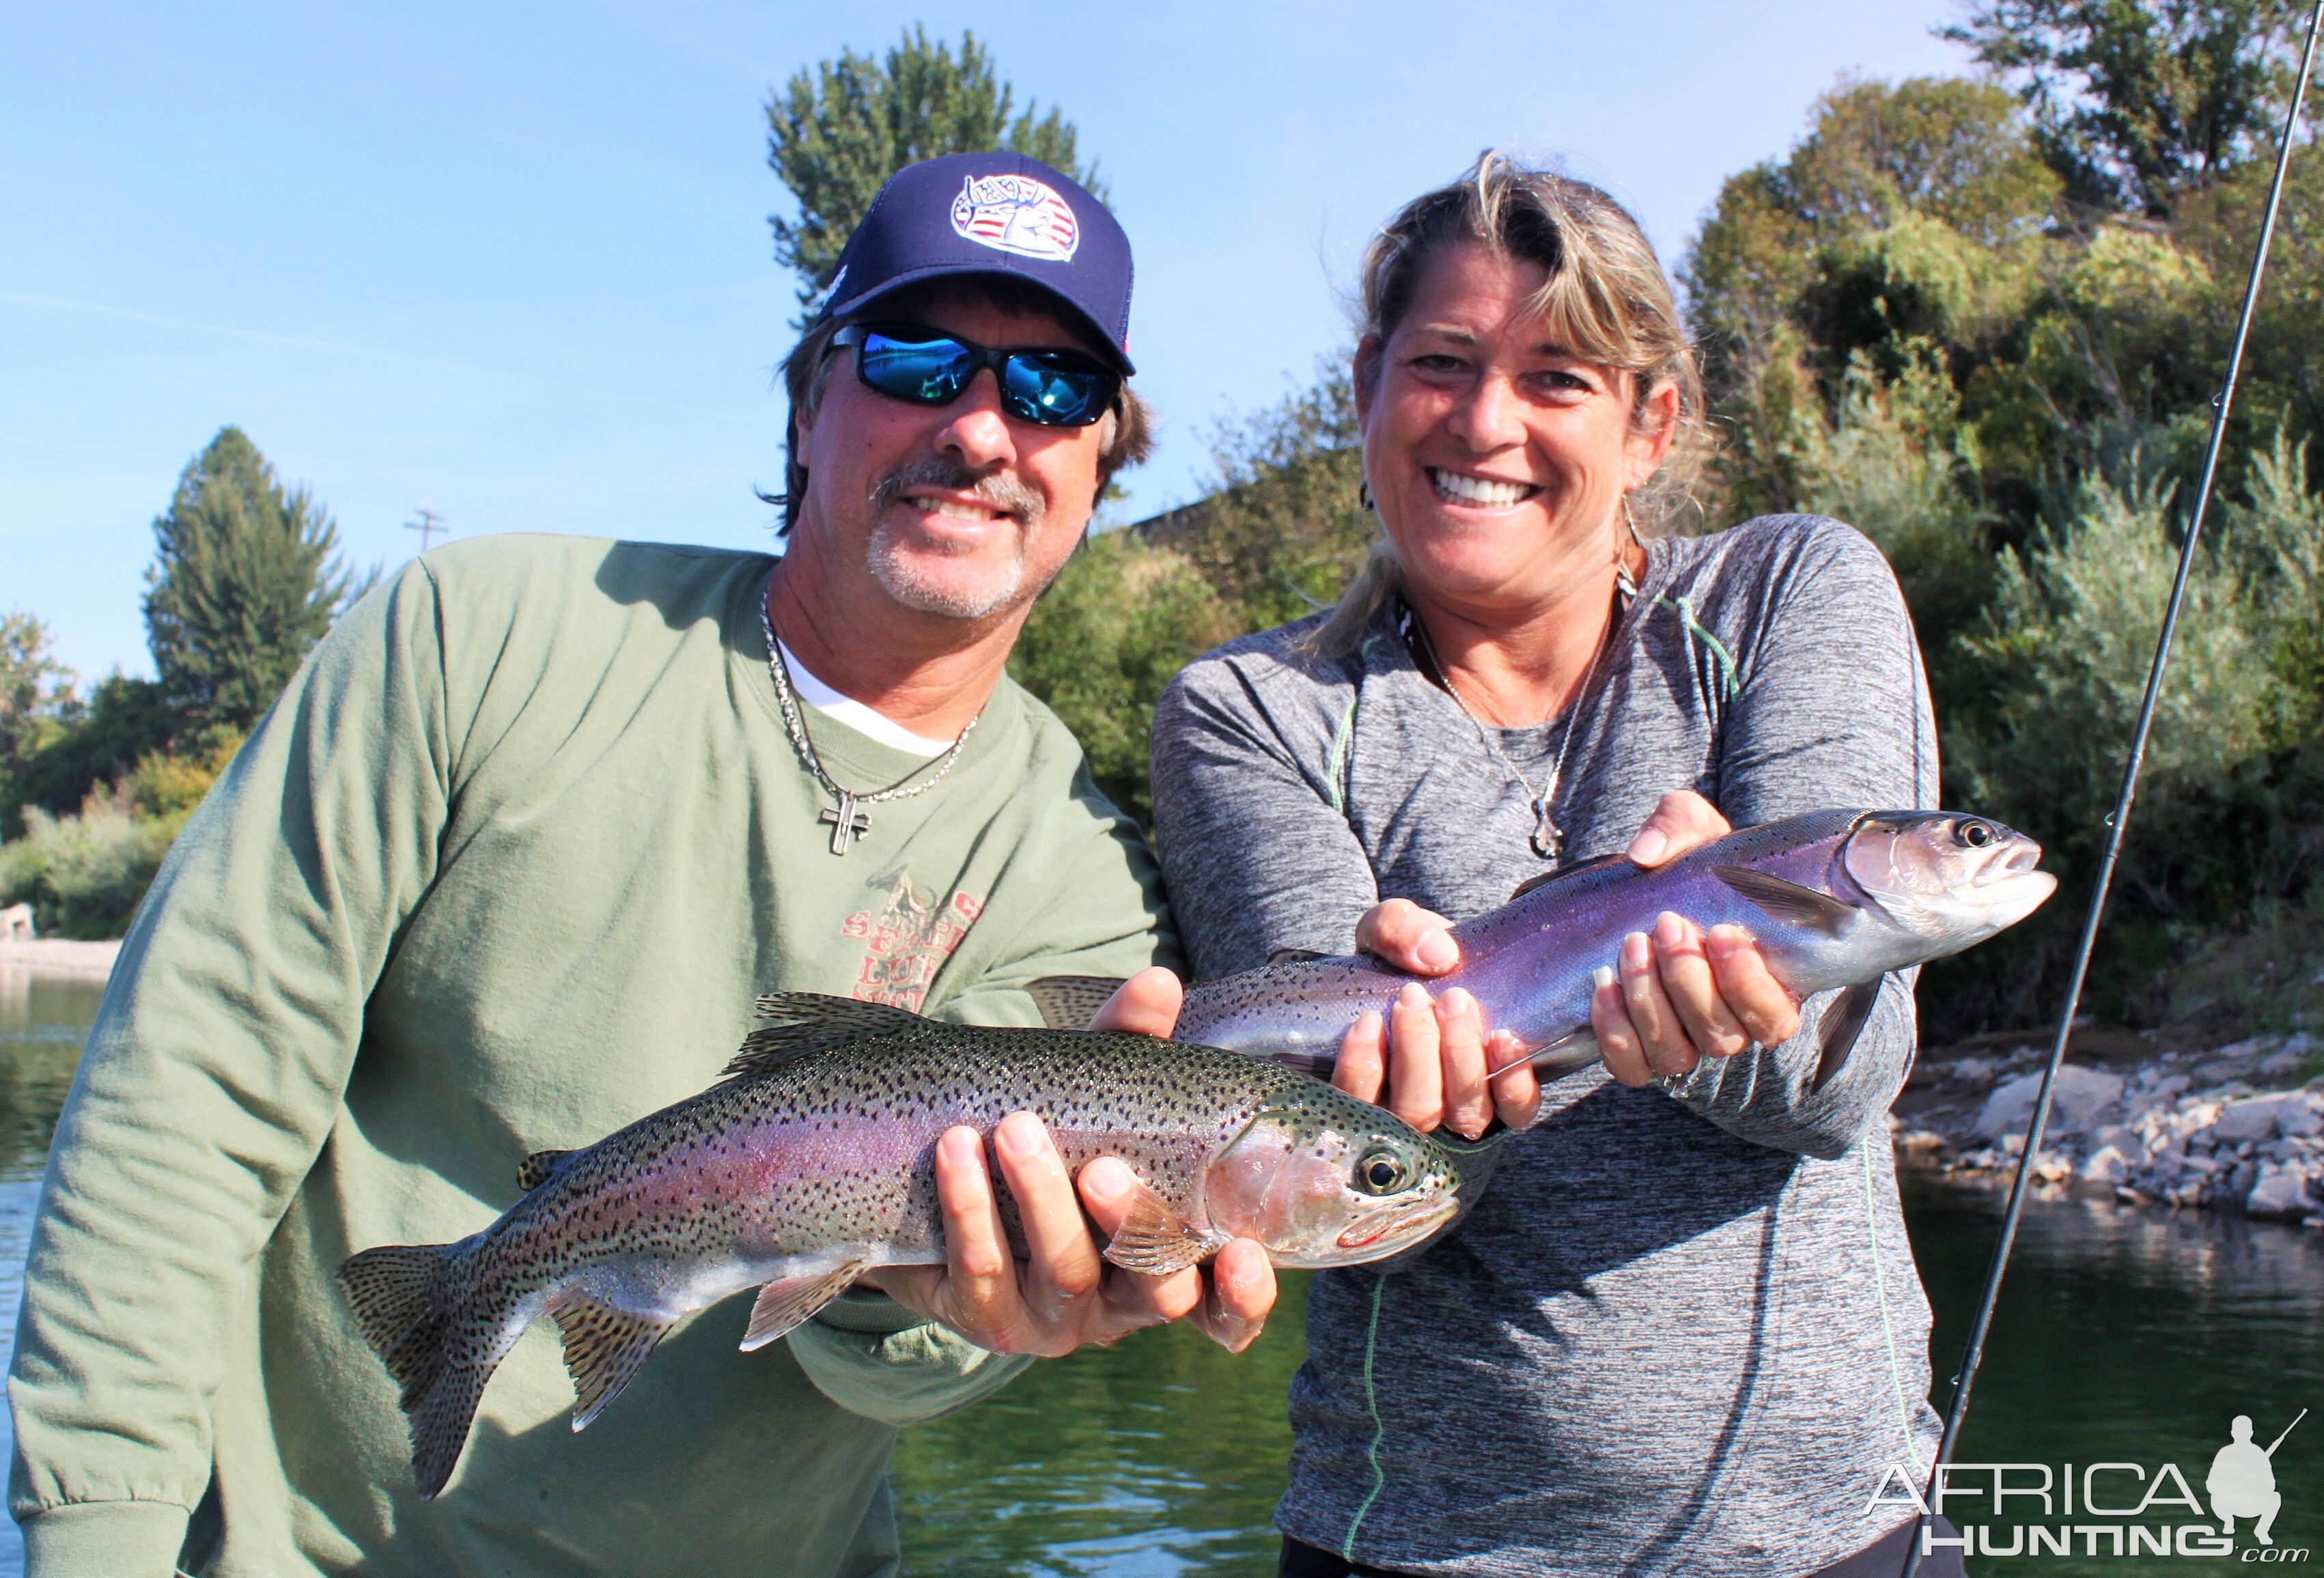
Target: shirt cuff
(105, 1539)
(897, 1376)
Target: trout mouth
(1429, 1214)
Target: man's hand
(1682, 994)
(1066, 1294)
(1432, 1056)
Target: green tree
(836, 133)
(36, 703)
(1285, 528)
(2136, 101)
(244, 581)
(1123, 618)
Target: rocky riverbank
(2237, 1128)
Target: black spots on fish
(534, 1170)
(804, 1022)
(392, 1289)
(604, 1349)
(399, 1294)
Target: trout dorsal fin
(1578, 868)
(533, 1170)
(800, 1022)
(1068, 1002)
(1787, 901)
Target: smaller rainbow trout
(1834, 899)
(814, 1161)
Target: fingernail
(1722, 940)
(1459, 1003)
(1670, 928)
(1602, 976)
(1438, 951)
(1106, 1178)
(1648, 845)
(1637, 952)
(1020, 1135)
(1414, 995)
(1231, 1280)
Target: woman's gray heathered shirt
(1679, 1334)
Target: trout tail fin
(399, 1297)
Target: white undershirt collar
(846, 709)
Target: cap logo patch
(1016, 213)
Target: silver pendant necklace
(849, 821)
(1547, 837)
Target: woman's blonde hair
(1606, 300)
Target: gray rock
(2280, 1191)
(2081, 1094)
(2257, 1116)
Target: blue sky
(512, 261)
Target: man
(2242, 1482)
(502, 871)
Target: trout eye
(1381, 1171)
(1975, 834)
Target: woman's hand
(1432, 1056)
(1684, 994)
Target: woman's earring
(1364, 495)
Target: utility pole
(428, 525)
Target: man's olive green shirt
(501, 871)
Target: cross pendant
(847, 823)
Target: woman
(1682, 1332)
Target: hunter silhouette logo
(1016, 213)
(2242, 1481)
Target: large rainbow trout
(1834, 899)
(814, 1161)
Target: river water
(2128, 1337)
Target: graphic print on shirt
(907, 940)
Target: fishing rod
(2288, 1429)
(2115, 826)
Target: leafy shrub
(85, 873)
(1106, 639)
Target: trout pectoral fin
(1787, 901)
(782, 1307)
(604, 1347)
(1155, 1240)
(1836, 1032)
(1068, 1002)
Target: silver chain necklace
(1547, 837)
(849, 821)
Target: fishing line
(2115, 825)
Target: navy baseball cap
(991, 214)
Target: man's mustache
(1020, 501)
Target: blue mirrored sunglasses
(1057, 388)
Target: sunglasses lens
(1056, 391)
(931, 371)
